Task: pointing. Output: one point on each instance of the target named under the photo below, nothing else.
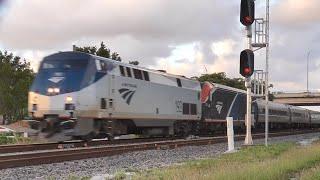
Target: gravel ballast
(129, 162)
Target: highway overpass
(298, 99)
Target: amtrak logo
(126, 94)
(219, 107)
(56, 79)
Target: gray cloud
(139, 30)
(148, 30)
(34, 24)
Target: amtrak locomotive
(96, 96)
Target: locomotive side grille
(103, 103)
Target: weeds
(10, 138)
(258, 162)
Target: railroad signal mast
(261, 79)
(247, 59)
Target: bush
(7, 139)
(11, 138)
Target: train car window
(146, 75)
(47, 66)
(98, 65)
(297, 114)
(193, 109)
(128, 72)
(179, 82)
(103, 66)
(137, 74)
(186, 109)
(122, 71)
(284, 113)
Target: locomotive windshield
(66, 72)
(64, 64)
(66, 75)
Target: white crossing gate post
(230, 134)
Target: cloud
(183, 37)
(195, 62)
(296, 13)
(33, 24)
(144, 30)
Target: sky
(183, 37)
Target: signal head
(246, 63)
(247, 12)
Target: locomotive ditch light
(69, 99)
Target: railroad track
(77, 144)
(72, 144)
(60, 155)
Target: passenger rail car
(315, 118)
(278, 113)
(96, 96)
(281, 115)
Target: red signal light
(248, 20)
(247, 70)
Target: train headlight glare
(56, 90)
(50, 90)
(69, 99)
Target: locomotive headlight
(50, 90)
(69, 99)
(56, 90)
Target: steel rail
(71, 144)
(77, 144)
(55, 156)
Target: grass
(310, 174)
(120, 175)
(71, 177)
(280, 161)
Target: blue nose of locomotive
(59, 77)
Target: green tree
(115, 56)
(16, 77)
(221, 78)
(86, 49)
(102, 51)
(134, 63)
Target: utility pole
(308, 71)
(267, 73)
